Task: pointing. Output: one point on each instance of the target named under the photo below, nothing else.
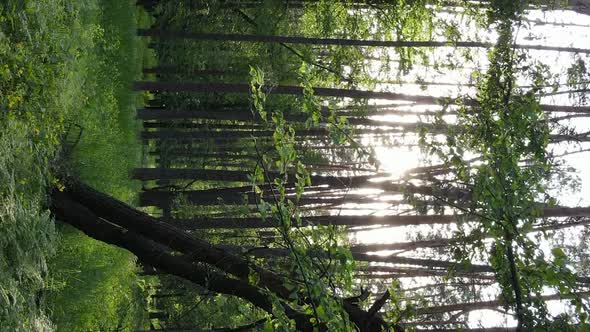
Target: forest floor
(65, 72)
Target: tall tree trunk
(299, 133)
(325, 92)
(228, 196)
(206, 126)
(386, 221)
(164, 34)
(246, 116)
(335, 182)
(435, 243)
(395, 272)
(391, 259)
(290, 90)
(480, 305)
(352, 221)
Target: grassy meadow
(66, 106)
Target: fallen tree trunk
(157, 255)
(116, 222)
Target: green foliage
(196, 307)
(401, 308)
(578, 78)
(510, 128)
(333, 19)
(408, 20)
(505, 10)
(94, 285)
(505, 128)
(316, 261)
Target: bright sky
(396, 160)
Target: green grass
(66, 65)
(27, 234)
(100, 291)
(109, 145)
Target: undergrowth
(65, 70)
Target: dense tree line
(261, 167)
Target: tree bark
(335, 182)
(436, 243)
(391, 259)
(248, 134)
(242, 223)
(164, 34)
(480, 305)
(230, 196)
(246, 116)
(394, 272)
(242, 88)
(387, 221)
